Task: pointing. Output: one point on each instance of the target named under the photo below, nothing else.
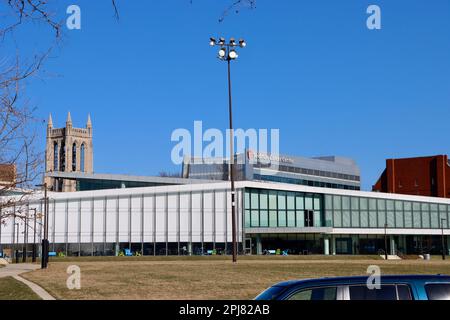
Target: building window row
(271, 209)
(361, 212)
(304, 182)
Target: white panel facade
(86, 221)
(196, 217)
(72, 221)
(99, 214)
(160, 218)
(172, 226)
(136, 219)
(148, 218)
(208, 216)
(111, 220)
(124, 219)
(184, 217)
(60, 220)
(220, 221)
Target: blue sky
(311, 69)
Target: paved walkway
(14, 270)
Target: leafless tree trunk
(17, 136)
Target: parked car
(392, 287)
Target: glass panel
(308, 202)
(299, 202)
(247, 218)
(398, 206)
(355, 203)
(390, 205)
(381, 204)
(386, 292)
(272, 200)
(281, 200)
(425, 219)
(425, 207)
(438, 291)
(254, 200)
(337, 219)
(337, 202)
(345, 203)
(317, 220)
(373, 219)
(290, 201)
(273, 219)
(382, 219)
(364, 219)
(355, 219)
(363, 202)
(417, 223)
(317, 202)
(408, 219)
(346, 218)
(300, 218)
(328, 218)
(434, 220)
(264, 218)
(247, 199)
(255, 218)
(315, 294)
(391, 219)
(407, 206)
(399, 219)
(404, 292)
(328, 202)
(281, 218)
(263, 200)
(433, 207)
(372, 204)
(291, 218)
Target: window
(403, 292)
(386, 292)
(55, 156)
(328, 293)
(62, 157)
(438, 291)
(74, 157)
(309, 218)
(271, 293)
(82, 151)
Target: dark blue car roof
(358, 279)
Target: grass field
(11, 289)
(206, 277)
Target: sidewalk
(14, 270)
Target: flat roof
(225, 185)
(124, 177)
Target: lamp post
(385, 241)
(443, 238)
(228, 53)
(33, 259)
(45, 243)
(17, 242)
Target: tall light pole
(17, 242)
(443, 238)
(33, 259)
(45, 243)
(228, 53)
(385, 241)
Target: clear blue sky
(311, 69)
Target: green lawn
(206, 277)
(11, 289)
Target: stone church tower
(68, 150)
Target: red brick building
(424, 176)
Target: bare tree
(17, 135)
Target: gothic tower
(68, 150)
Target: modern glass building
(325, 172)
(196, 218)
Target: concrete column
(333, 245)
(326, 246)
(190, 248)
(258, 245)
(448, 246)
(393, 246)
